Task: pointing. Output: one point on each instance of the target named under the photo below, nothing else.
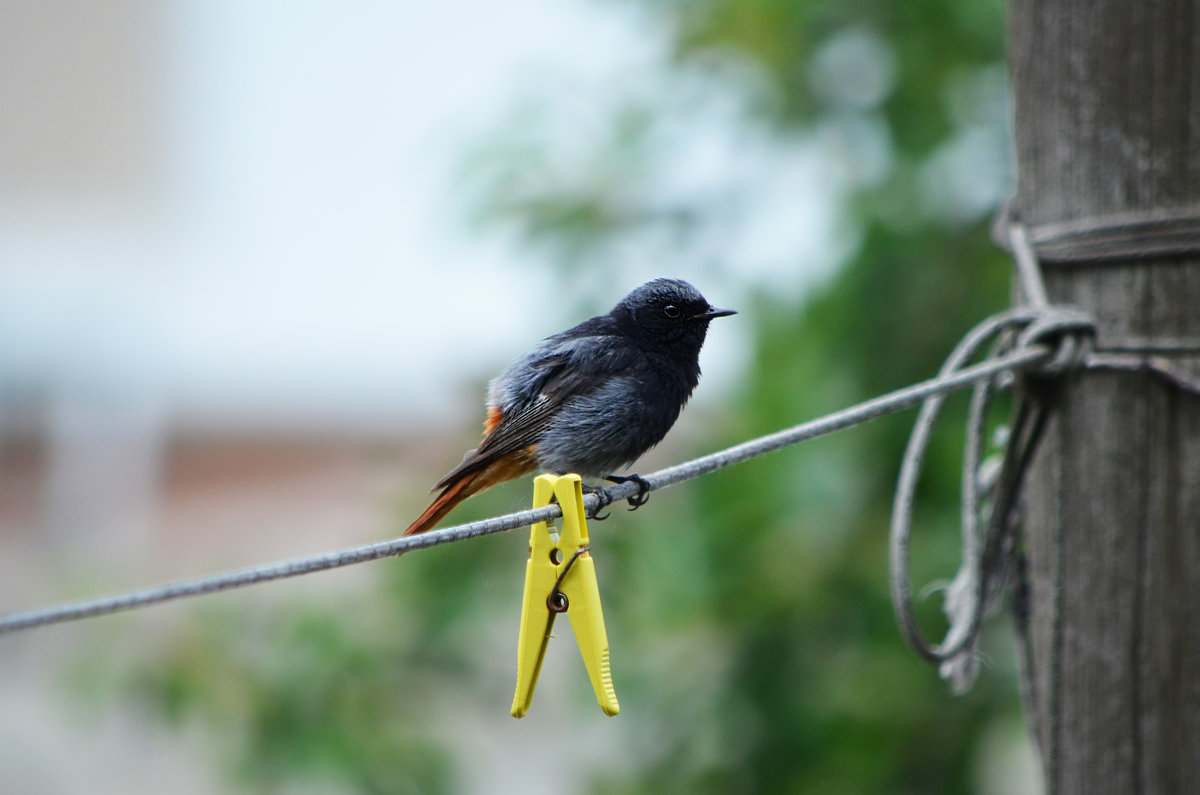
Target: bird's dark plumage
(591, 399)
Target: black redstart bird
(588, 400)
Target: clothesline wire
(898, 400)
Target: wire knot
(1068, 331)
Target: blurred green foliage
(749, 613)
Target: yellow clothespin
(561, 578)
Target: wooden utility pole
(1107, 102)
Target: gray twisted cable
(983, 562)
(274, 571)
(862, 412)
(968, 579)
(1029, 276)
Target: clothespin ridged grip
(561, 577)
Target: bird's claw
(643, 493)
(605, 500)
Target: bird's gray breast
(604, 431)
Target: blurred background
(257, 263)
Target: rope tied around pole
(1162, 234)
(988, 493)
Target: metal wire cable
(985, 559)
(898, 400)
(967, 589)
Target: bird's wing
(564, 368)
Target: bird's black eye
(670, 310)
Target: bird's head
(667, 312)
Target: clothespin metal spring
(557, 601)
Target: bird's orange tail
(451, 496)
(506, 468)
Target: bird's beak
(713, 312)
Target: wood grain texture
(1107, 101)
